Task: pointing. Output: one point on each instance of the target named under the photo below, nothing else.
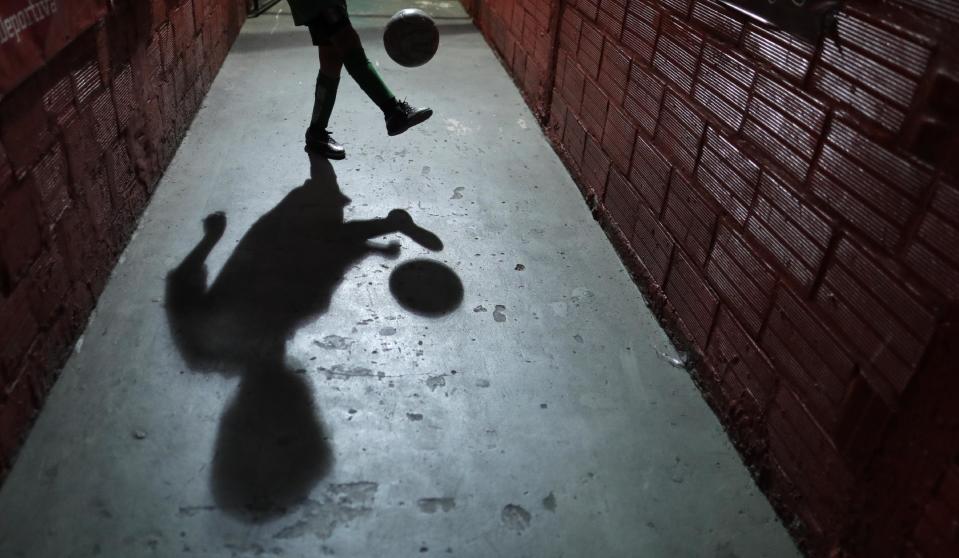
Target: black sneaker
(322, 143)
(403, 117)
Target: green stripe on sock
(362, 71)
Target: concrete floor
(323, 398)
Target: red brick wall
(792, 210)
(83, 143)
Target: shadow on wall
(271, 448)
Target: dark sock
(362, 70)
(323, 101)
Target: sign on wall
(33, 31)
(809, 19)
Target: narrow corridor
(482, 378)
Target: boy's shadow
(271, 449)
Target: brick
(722, 85)
(690, 219)
(644, 97)
(587, 7)
(573, 82)
(945, 9)
(557, 115)
(614, 74)
(590, 50)
(623, 204)
(83, 155)
(18, 328)
(781, 51)
(677, 53)
(694, 301)
(739, 361)
(595, 104)
(164, 39)
(807, 355)
(785, 124)
(862, 425)
(86, 81)
(595, 167)
(47, 286)
(883, 322)
(88, 258)
(16, 413)
(679, 133)
(516, 20)
(574, 138)
(6, 173)
(640, 29)
(717, 19)
(20, 234)
(51, 180)
(519, 65)
(618, 136)
(649, 174)
(123, 96)
(652, 243)
(811, 461)
(104, 118)
(681, 7)
(876, 73)
(59, 100)
(932, 253)
(742, 280)
(569, 31)
(95, 194)
(794, 232)
(611, 16)
(869, 186)
(726, 173)
(24, 128)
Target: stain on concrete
(190, 511)
(414, 416)
(482, 383)
(432, 505)
(457, 193)
(515, 517)
(549, 502)
(334, 342)
(520, 267)
(344, 372)
(102, 508)
(725, 550)
(499, 314)
(434, 382)
(387, 331)
(480, 308)
(578, 338)
(337, 505)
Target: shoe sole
(419, 119)
(331, 156)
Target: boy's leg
(400, 116)
(318, 139)
(327, 82)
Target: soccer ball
(411, 38)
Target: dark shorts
(330, 20)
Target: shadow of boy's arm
(397, 220)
